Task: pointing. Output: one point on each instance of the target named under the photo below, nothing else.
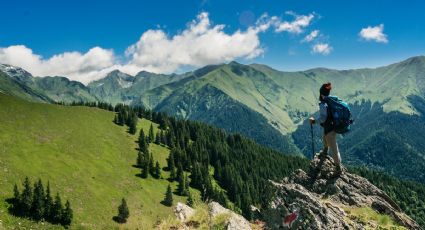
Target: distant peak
(118, 74)
(416, 59)
(115, 72)
(144, 73)
(234, 63)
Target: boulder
(183, 212)
(233, 222)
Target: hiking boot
(338, 170)
(323, 153)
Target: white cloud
(297, 25)
(200, 43)
(322, 48)
(311, 36)
(74, 65)
(375, 33)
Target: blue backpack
(340, 114)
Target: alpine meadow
(241, 115)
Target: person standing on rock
(326, 121)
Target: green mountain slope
(15, 88)
(85, 156)
(61, 89)
(118, 87)
(210, 100)
(20, 83)
(285, 99)
(110, 88)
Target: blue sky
(47, 28)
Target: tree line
(36, 203)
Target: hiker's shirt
(324, 118)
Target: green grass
(87, 159)
(367, 216)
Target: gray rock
(183, 212)
(319, 195)
(234, 222)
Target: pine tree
(151, 166)
(179, 171)
(163, 138)
(145, 168)
(16, 200)
(157, 139)
(181, 187)
(57, 210)
(186, 185)
(132, 124)
(67, 214)
(189, 201)
(157, 170)
(116, 119)
(48, 203)
(143, 144)
(139, 161)
(121, 118)
(168, 200)
(171, 166)
(151, 134)
(123, 212)
(37, 206)
(26, 200)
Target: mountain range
(268, 105)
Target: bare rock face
(234, 221)
(320, 197)
(183, 212)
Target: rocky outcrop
(322, 199)
(218, 218)
(233, 221)
(183, 212)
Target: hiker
(325, 120)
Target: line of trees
(37, 203)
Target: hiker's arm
(323, 113)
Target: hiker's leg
(324, 150)
(331, 142)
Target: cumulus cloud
(297, 25)
(74, 65)
(322, 48)
(200, 43)
(311, 36)
(375, 33)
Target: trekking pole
(312, 140)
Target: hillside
(89, 160)
(20, 83)
(85, 157)
(15, 88)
